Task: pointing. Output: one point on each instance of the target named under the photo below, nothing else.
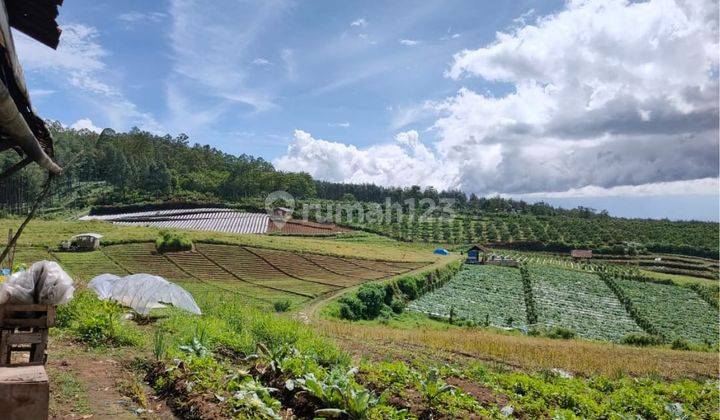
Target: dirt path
(98, 384)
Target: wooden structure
(24, 329)
(477, 255)
(581, 254)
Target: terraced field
(675, 311)
(262, 276)
(86, 265)
(142, 258)
(581, 302)
(483, 294)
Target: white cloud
(79, 62)
(409, 42)
(607, 96)
(140, 17)
(607, 93)
(407, 162)
(260, 61)
(343, 124)
(361, 23)
(85, 124)
(704, 186)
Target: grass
(678, 279)
(45, 232)
(68, 390)
(530, 353)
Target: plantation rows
(666, 236)
(571, 299)
(581, 302)
(486, 295)
(677, 312)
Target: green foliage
(170, 241)
(282, 305)
(478, 294)
(680, 344)
(530, 309)
(375, 299)
(561, 333)
(431, 387)
(96, 322)
(339, 393)
(642, 340)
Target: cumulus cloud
(85, 124)
(405, 162)
(361, 23)
(605, 94)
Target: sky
(609, 104)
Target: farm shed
(85, 242)
(581, 254)
(477, 254)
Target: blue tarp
(441, 251)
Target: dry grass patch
(532, 353)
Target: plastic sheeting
(45, 282)
(142, 292)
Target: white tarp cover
(142, 292)
(54, 285)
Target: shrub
(561, 333)
(372, 297)
(96, 322)
(172, 242)
(281, 305)
(641, 340)
(680, 344)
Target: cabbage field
(581, 302)
(676, 312)
(481, 294)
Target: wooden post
(11, 253)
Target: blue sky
(538, 100)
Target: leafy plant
(170, 241)
(339, 392)
(431, 387)
(282, 305)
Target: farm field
(257, 275)
(479, 294)
(676, 311)
(580, 302)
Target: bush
(172, 242)
(96, 322)
(281, 305)
(371, 300)
(641, 340)
(561, 333)
(680, 344)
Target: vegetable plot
(677, 312)
(581, 302)
(479, 294)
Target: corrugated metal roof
(213, 220)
